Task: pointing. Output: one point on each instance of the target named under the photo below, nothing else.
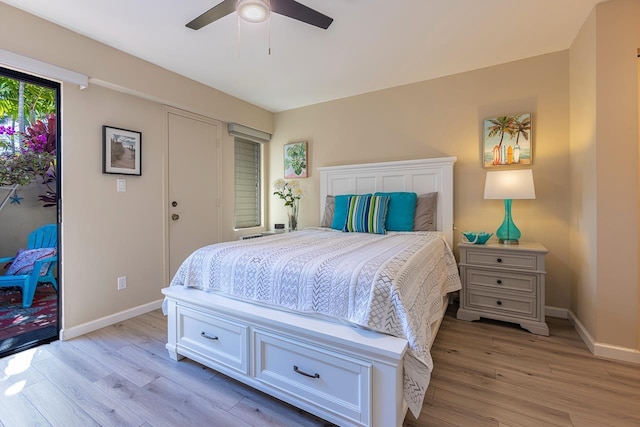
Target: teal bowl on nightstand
(476, 237)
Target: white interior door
(194, 176)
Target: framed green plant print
(295, 160)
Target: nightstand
(504, 282)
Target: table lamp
(508, 185)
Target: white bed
(347, 375)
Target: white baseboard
(560, 313)
(614, 352)
(582, 331)
(85, 328)
(607, 351)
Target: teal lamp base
(508, 233)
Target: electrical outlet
(122, 282)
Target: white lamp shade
(253, 10)
(509, 184)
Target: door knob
(175, 217)
(174, 204)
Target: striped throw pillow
(367, 214)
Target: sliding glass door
(29, 201)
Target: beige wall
(617, 41)
(583, 224)
(107, 234)
(18, 220)
(604, 145)
(443, 117)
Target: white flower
(294, 183)
(279, 184)
(289, 191)
(297, 192)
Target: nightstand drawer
(511, 305)
(505, 260)
(525, 283)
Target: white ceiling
(371, 45)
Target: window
(247, 183)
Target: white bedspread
(390, 283)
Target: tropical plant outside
(38, 101)
(28, 136)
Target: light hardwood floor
(486, 374)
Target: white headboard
(420, 176)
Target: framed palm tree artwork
(507, 141)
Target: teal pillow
(367, 214)
(341, 205)
(401, 212)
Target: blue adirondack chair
(43, 237)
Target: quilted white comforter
(391, 283)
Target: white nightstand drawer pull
(298, 371)
(205, 335)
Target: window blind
(247, 183)
(248, 133)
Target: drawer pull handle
(499, 282)
(209, 337)
(298, 371)
(499, 302)
(499, 260)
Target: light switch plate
(121, 184)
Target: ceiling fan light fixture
(253, 10)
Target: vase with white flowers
(291, 193)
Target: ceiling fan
(258, 11)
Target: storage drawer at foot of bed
(220, 340)
(321, 377)
(511, 305)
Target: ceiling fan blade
(298, 11)
(219, 11)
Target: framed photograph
(295, 160)
(121, 151)
(507, 141)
